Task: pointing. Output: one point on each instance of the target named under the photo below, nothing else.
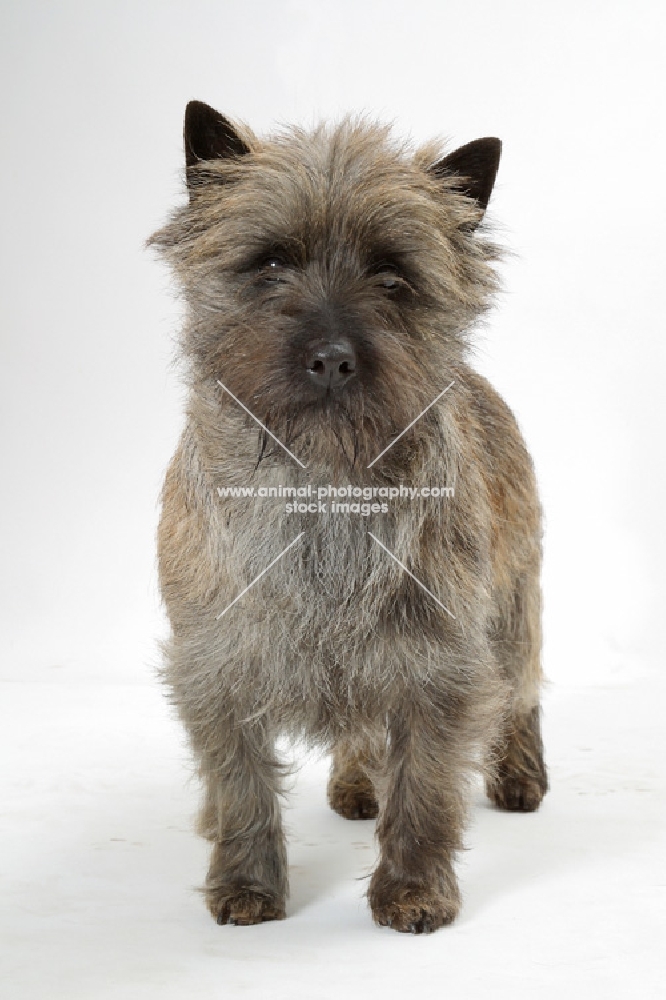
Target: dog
(332, 280)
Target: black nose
(330, 363)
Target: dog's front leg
(247, 878)
(423, 807)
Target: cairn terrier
(332, 278)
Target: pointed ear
(209, 136)
(476, 164)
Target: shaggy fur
(344, 235)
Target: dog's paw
(517, 793)
(519, 778)
(243, 906)
(353, 799)
(412, 909)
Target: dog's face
(330, 276)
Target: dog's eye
(272, 269)
(389, 278)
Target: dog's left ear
(208, 135)
(476, 164)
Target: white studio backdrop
(93, 100)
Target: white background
(93, 99)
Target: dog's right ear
(208, 136)
(476, 164)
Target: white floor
(99, 860)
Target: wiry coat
(336, 643)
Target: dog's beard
(347, 428)
(342, 433)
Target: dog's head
(332, 276)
